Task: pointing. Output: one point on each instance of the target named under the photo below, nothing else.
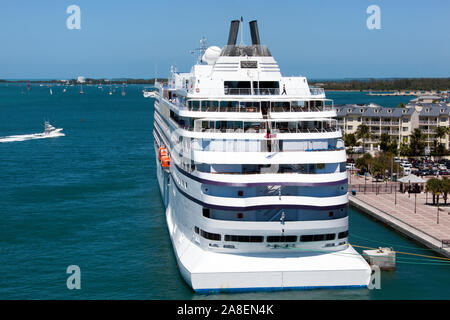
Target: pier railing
(377, 188)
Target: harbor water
(90, 198)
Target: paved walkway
(425, 218)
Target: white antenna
(200, 51)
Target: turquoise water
(91, 199)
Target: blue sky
(317, 39)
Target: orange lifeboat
(165, 161)
(162, 152)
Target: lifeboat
(165, 161)
(162, 152)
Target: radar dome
(211, 55)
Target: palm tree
(445, 188)
(434, 185)
(350, 141)
(417, 142)
(440, 132)
(363, 133)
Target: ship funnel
(234, 28)
(254, 32)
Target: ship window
(197, 230)
(306, 238)
(281, 238)
(239, 238)
(206, 212)
(318, 237)
(195, 105)
(210, 236)
(237, 87)
(343, 234)
(266, 87)
(330, 236)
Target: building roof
(372, 111)
(434, 110)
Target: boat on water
(50, 130)
(251, 166)
(149, 93)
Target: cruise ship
(251, 167)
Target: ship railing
(315, 93)
(252, 106)
(218, 126)
(222, 145)
(303, 169)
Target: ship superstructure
(252, 171)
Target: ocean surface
(90, 198)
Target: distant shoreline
(361, 85)
(88, 81)
(385, 85)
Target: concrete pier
(409, 224)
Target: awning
(412, 178)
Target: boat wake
(49, 132)
(33, 136)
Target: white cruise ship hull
(207, 271)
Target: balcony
(220, 145)
(218, 126)
(427, 122)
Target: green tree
(385, 142)
(434, 185)
(363, 133)
(401, 105)
(363, 162)
(417, 143)
(445, 188)
(350, 141)
(440, 132)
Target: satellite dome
(211, 55)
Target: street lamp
(395, 193)
(437, 216)
(415, 201)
